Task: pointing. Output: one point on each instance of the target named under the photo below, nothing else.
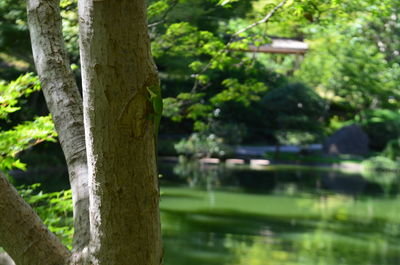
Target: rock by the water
(351, 140)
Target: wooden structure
(282, 46)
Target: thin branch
(64, 102)
(164, 16)
(264, 20)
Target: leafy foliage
(392, 150)
(11, 92)
(353, 52)
(200, 145)
(55, 209)
(381, 125)
(293, 109)
(243, 93)
(354, 75)
(353, 62)
(380, 163)
(24, 135)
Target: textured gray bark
(65, 104)
(23, 235)
(117, 68)
(5, 259)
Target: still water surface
(212, 215)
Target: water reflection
(296, 216)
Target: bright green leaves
(207, 74)
(198, 110)
(157, 8)
(24, 135)
(244, 93)
(186, 105)
(208, 56)
(203, 49)
(202, 107)
(197, 57)
(172, 109)
(183, 39)
(55, 209)
(356, 64)
(11, 93)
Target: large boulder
(351, 140)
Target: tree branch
(164, 16)
(22, 233)
(64, 102)
(264, 20)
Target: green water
(287, 215)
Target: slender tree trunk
(23, 235)
(117, 68)
(65, 104)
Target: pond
(213, 215)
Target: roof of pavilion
(281, 45)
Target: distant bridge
(281, 45)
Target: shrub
(380, 163)
(200, 145)
(392, 150)
(381, 126)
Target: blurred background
(279, 142)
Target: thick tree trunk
(117, 68)
(22, 233)
(65, 104)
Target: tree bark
(65, 104)
(5, 259)
(117, 69)
(23, 235)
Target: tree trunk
(117, 69)
(23, 235)
(65, 104)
